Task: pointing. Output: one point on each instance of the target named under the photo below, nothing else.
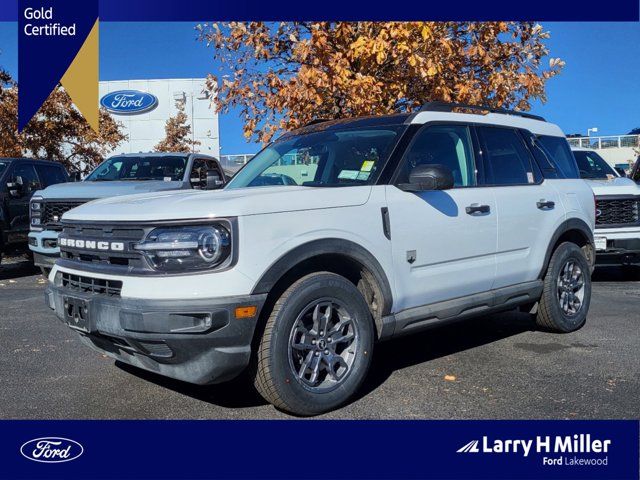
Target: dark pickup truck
(19, 179)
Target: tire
(45, 271)
(297, 379)
(565, 316)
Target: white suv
(617, 233)
(335, 236)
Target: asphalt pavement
(497, 366)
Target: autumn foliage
(282, 76)
(177, 132)
(57, 132)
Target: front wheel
(316, 347)
(567, 290)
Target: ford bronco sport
(119, 175)
(335, 236)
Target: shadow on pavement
(16, 267)
(616, 274)
(237, 393)
(389, 356)
(441, 341)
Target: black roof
(357, 122)
(30, 160)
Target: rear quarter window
(561, 155)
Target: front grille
(79, 283)
(52, 211)
(617, 211)
(129, 258)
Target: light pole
(591, 130)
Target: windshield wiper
(135, 179)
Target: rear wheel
(316, 347)
(567, 290)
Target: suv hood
(91, 190)
(615, 186)
(193, 204)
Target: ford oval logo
(51, 450)
(129, 102)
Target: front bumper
(622, 248)
(197, 341)
(44, 242)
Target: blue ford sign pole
(125, 102)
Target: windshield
(332, 158)
(593, 166)
(167, 168)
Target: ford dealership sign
(129, 102)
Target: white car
(617, 232)
(393, 224)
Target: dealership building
(144, 106)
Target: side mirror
(429, 177)
(16, 187)
(620, 171)
(214, 180)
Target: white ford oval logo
(129, 101)
(51, 450)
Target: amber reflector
(246, 312)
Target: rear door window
(507, 159)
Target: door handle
(476, 209)
(545, 205)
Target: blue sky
(599, 87)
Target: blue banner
(50, 35)
(319, 449)
(200, 10)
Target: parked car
(395, 224)
(19, 178)
(118, 175)
(617, 232)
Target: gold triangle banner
(81, 79)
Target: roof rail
(448, 107)
(315, 121)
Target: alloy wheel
(322, 345)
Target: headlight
(175, 249)
(35, 212)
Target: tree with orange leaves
(284, 75)
(57, 132)
(177, 133)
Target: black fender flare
(566, 226)
(329, 246)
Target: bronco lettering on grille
(91, 244)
